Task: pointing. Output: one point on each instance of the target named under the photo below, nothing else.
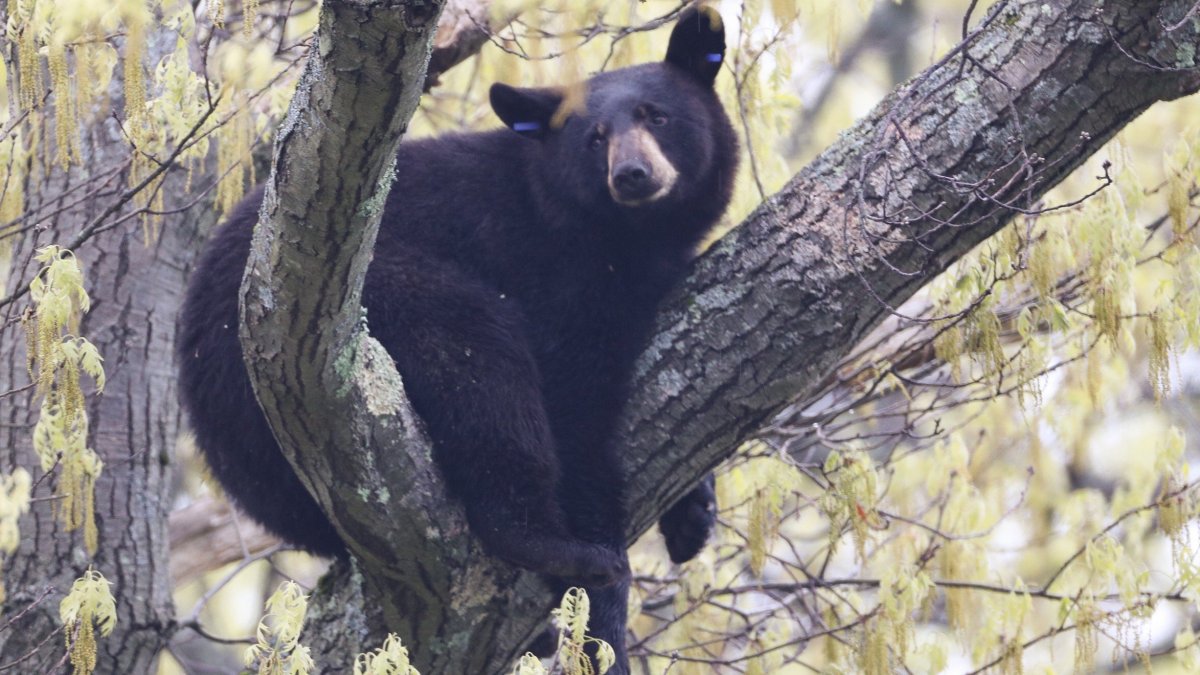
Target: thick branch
(304, 341)
(210, 526)
(462, 31)
(330, 392)
(939, 166)
(208, 534)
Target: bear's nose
(633, 181)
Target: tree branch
(208, 534)
(462, 32)
(330, 392)
(941, 164)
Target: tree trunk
(135, 293)
(940, 165)
(135, 290)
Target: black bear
(515, 279)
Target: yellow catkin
(64, 116)
(216, 13)
(956, 566)
(1013, 660)
(91, 534)
(32, 343)
(135, 74)
(833, 648)
(83, 648)
(152, 221)
(1108, 313)
(834, 32)
(1093, 377)
(1042, 270)
(29, 70)
(47, 339)
(758, 536)
(1086, 637)
(986, 339)
(70, 392)
(1172, 516)
(12, 195)
(1175, 510)
(89, 608)
(948, 346)
(85, 78)
(150, 196)
(249, 13)
(71, 507)
(1178, 203)
(873, 655)
(35, 165)
(1159, 367)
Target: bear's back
(446, 186)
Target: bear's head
(639, 142)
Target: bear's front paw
(687, 524)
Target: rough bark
(940, 165)
(135, 290)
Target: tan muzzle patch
(637, 143)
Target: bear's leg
(689, 522)
(607, 621)
(592, 495)
(469, 373)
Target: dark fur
(514, 295)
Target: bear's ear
(526, 111)
(698, 43)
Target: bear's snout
(633, 181)
(639, 173)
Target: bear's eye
(650, 115)
(596, 140)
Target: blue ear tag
(526, 126)
(713, 58)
